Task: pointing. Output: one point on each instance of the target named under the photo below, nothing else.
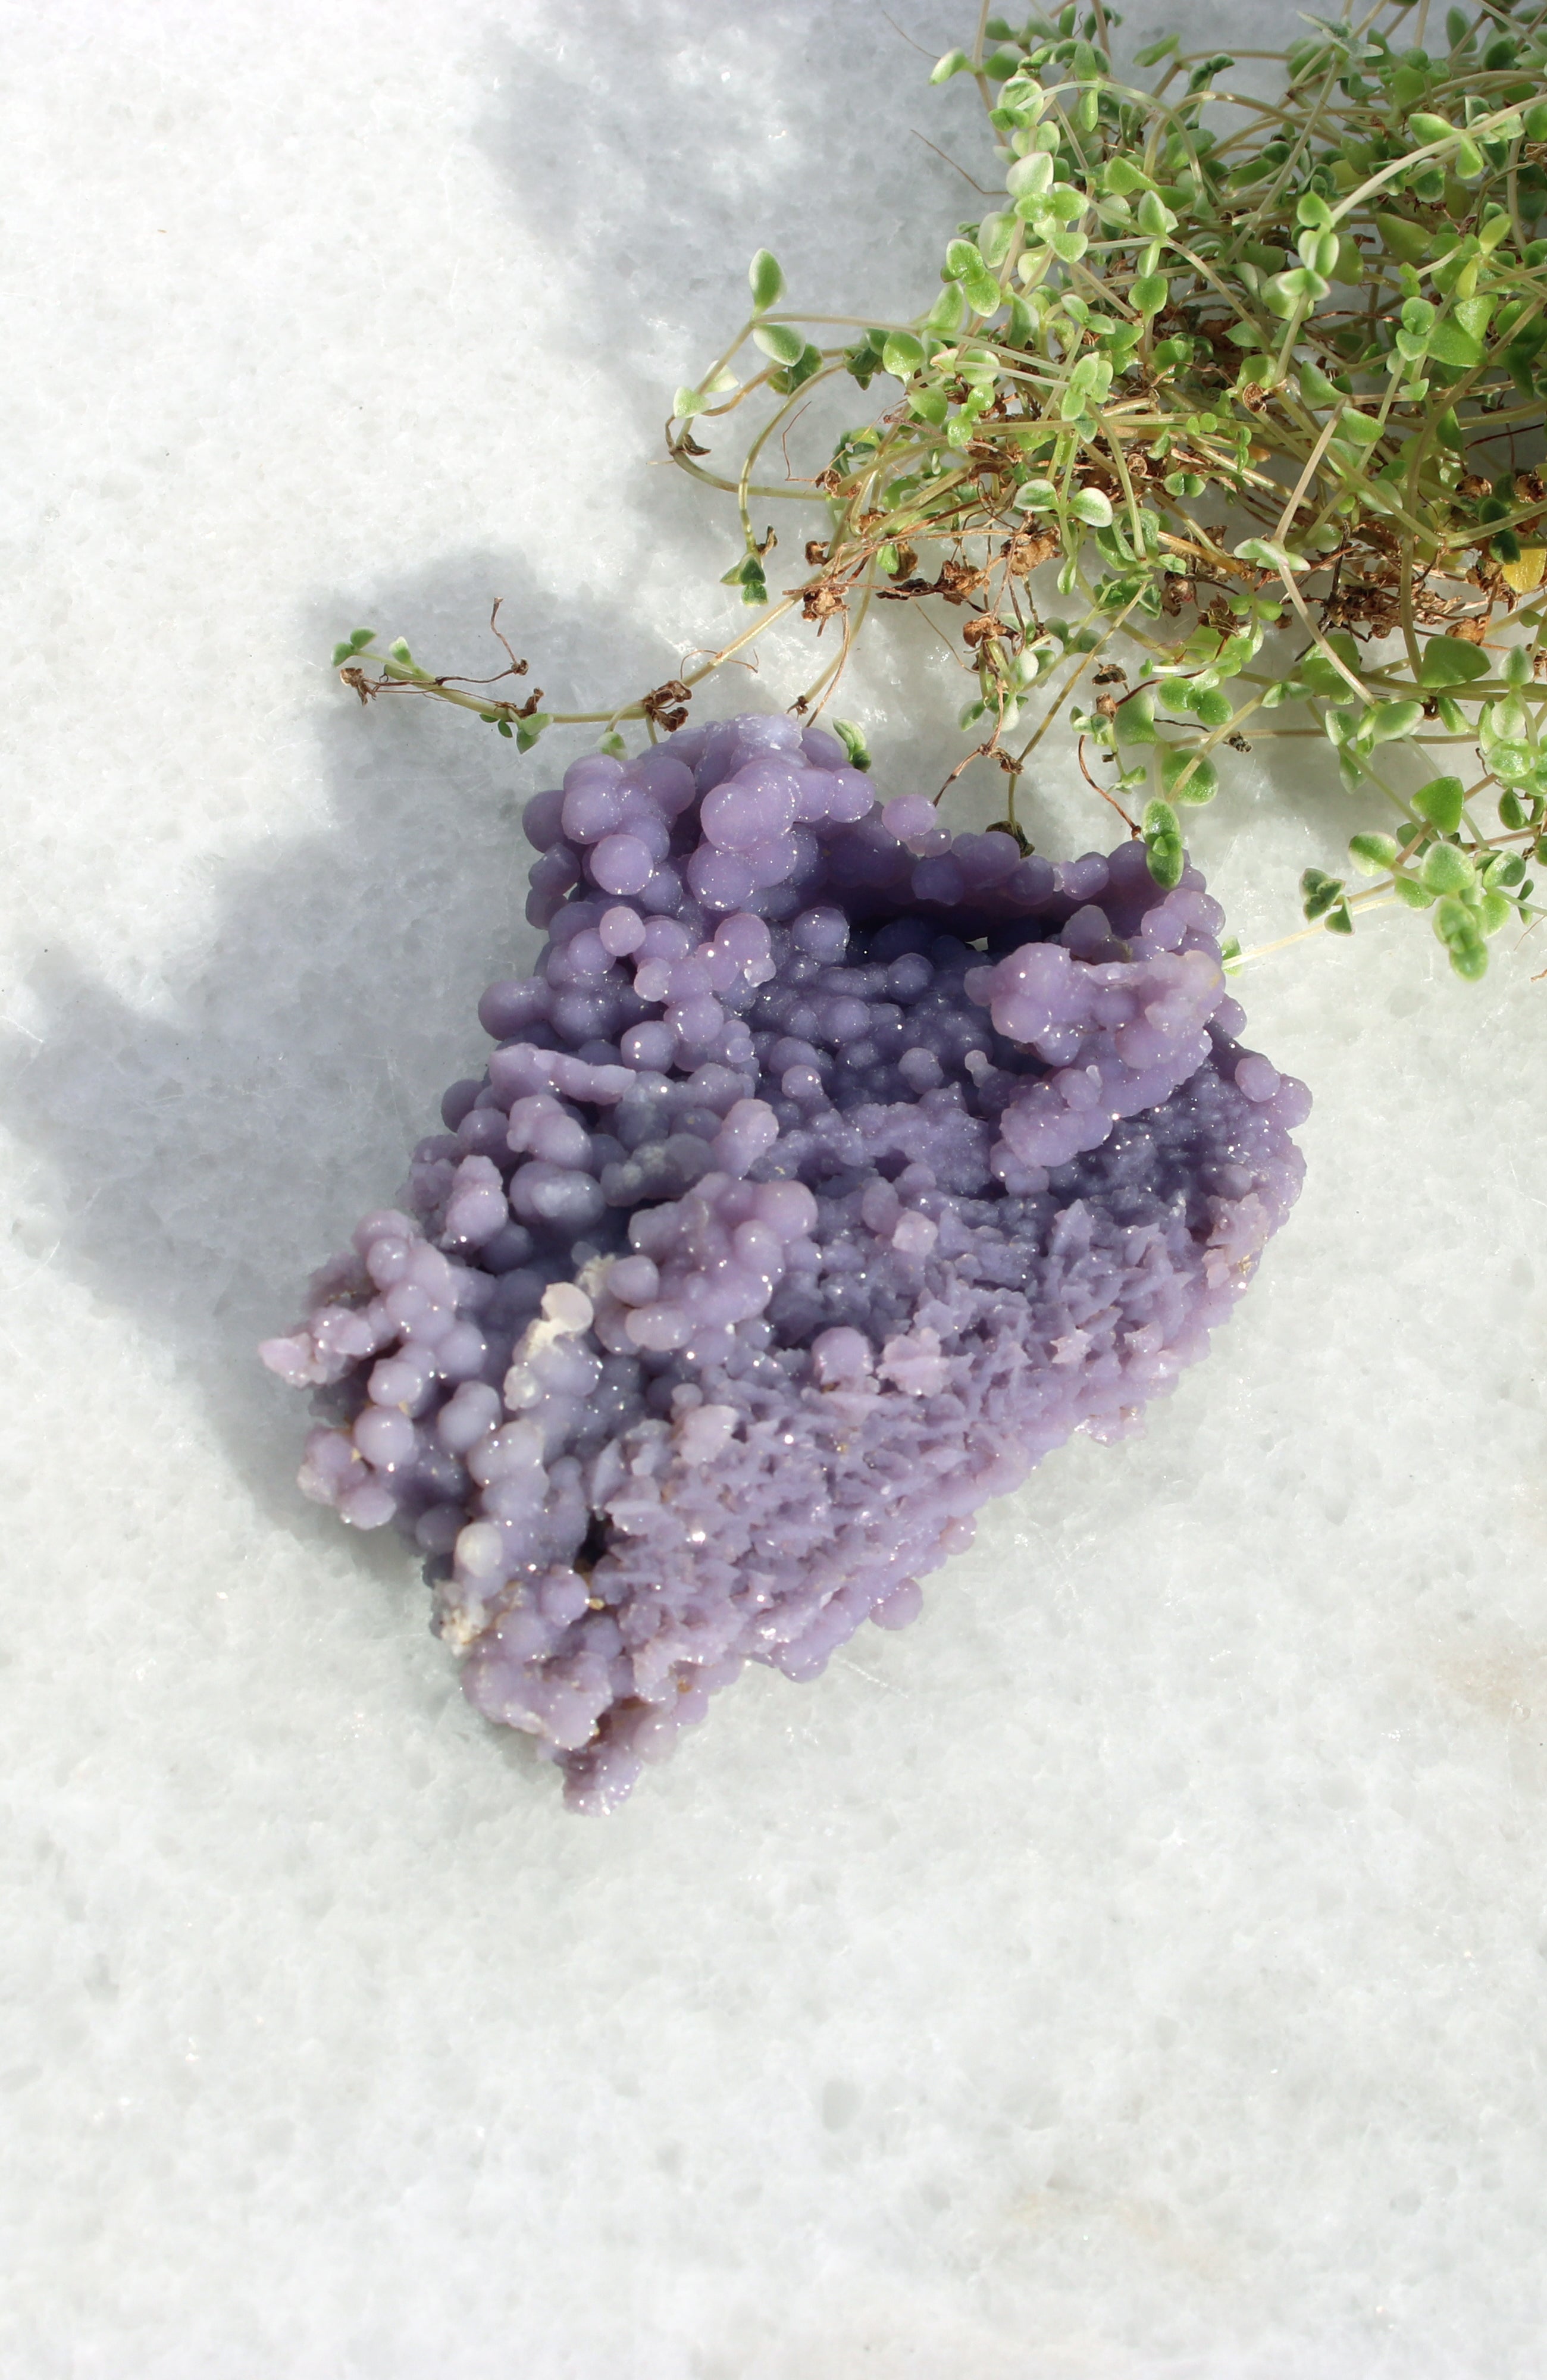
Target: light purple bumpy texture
(830, 1170)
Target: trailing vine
(1225, 424)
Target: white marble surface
(1137, 1968)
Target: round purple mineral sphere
(827, 1172)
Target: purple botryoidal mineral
(829, 1170)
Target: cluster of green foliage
(1214, 368)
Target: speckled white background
(1139, 1967)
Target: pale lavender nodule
(830, 1170)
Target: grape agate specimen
(829, 1170)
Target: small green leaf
(1136, 720)
(1089, 505)
(1454, 346)
(399, 652)
(954, 61)
(781, 341)
(1149, 293)
(1155, 218)
(1318, 251)
(1410, 243)
(1271, 556)
(1189, 776)
(996, 235)
(1512, 764)
(1440, 801)
(1452, 917)
(902, 354)
(1167, 861)
(1446, 870)
(1458, 929)
(1372, 854)
(1291, 289)
(686, 403)
(1448, 661)
(1319, 893)
(529, 730)
(1425, 128)
(614, 745)
(360, 638)
(852, 738)
(796, 375)
(1390, 719)
(1162, 843)
(1030, 177)
(1315, 387)
(862, 362)
(747, 574)
(766, 280)
(1507, 721)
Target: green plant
(1200, 385)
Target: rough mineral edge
(830, 1170)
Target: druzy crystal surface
(830, 1170)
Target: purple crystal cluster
(829, 1170)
